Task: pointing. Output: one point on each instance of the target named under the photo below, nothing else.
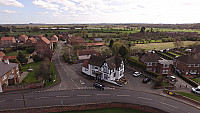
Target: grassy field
(106, 110)
(159, 46)
(190, 95)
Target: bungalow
(188, 65)
(31, 40)
(8, 40)
(23, 38)
(156, 64)
(9, 73)
(94, 44)
(1, 55)
(110, 70)
(85, 54)
(75, 40)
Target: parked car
(146, 79)
(172, 78)
(196, 90)
(98, 85)
(137, 74)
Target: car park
(196, 90)
(171, 78)
(146, 79)
(137, 74)
(98, 85)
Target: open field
(159, 46)
(107, 110)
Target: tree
(105, 51)
(177, 42)
(30, 50)
(142, 30)
(111, 43)
(22, 58)
(35, 29)
(84, 34)
(123, 51)
(116, 46)
(93, 34)
(37, 58)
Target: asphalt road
(77, 97)
(69, 78)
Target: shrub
(37, 58)
(30, 50)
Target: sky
(99, 11)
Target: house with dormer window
(110, 69)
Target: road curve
(74, 97)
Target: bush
(7, 50)
(30, 50)
(133, 62)
(186, 80)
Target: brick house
(54, 39)
(94, 44)
(31, 40)
(85, 54)
(9, 73)
(1, 55)
(75, 40)
(43, 47)
(156, 64)
(188, 65)
(8, 40)
(23, 38)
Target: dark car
(98, 85)
(146, 80)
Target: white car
(136, 74)
(196, 90)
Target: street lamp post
(23, 97)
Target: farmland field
(159, 46)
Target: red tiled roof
(7, 38)
(95, 44)
(24, 36)
(85, 64)
(87, 52)
(45, 40)
(1, 54)
(9, 57)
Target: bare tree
(177, 42)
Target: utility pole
(23, 97)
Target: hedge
(133, 62)
(186, 79)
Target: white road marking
(60, 86)
(144, 98)
(72, 80)
(82, 82)
(103, 94)
(44, 97)
(62, 96)
(37, 98)
(123, 95)
(2, 100)
(168, 105)
(76, 86)
(18, 99)
(83, 95)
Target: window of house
(154, 70)
(149, 69)
(4, 77)
(12, 71)
(105, 69)
(196, 65)
(105, 76)
(18, 73)
(193, 71)
(165, 65)
(156, 64)
(86, 69)
(114, 74)
(165, 71)
(149, 64)
(17, 68)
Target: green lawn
(16, 53)
(196, 80)
(159, 46)
(106, 110)
(52, 69)
(190, 95)
(164, 84)
(30, 78)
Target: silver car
(196, 90)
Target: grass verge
(196, 80)
(55, 77)
(190, 95)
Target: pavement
(23, 75)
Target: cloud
(8, 11)
(13, 3)
(45, 4)
(42, 13)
